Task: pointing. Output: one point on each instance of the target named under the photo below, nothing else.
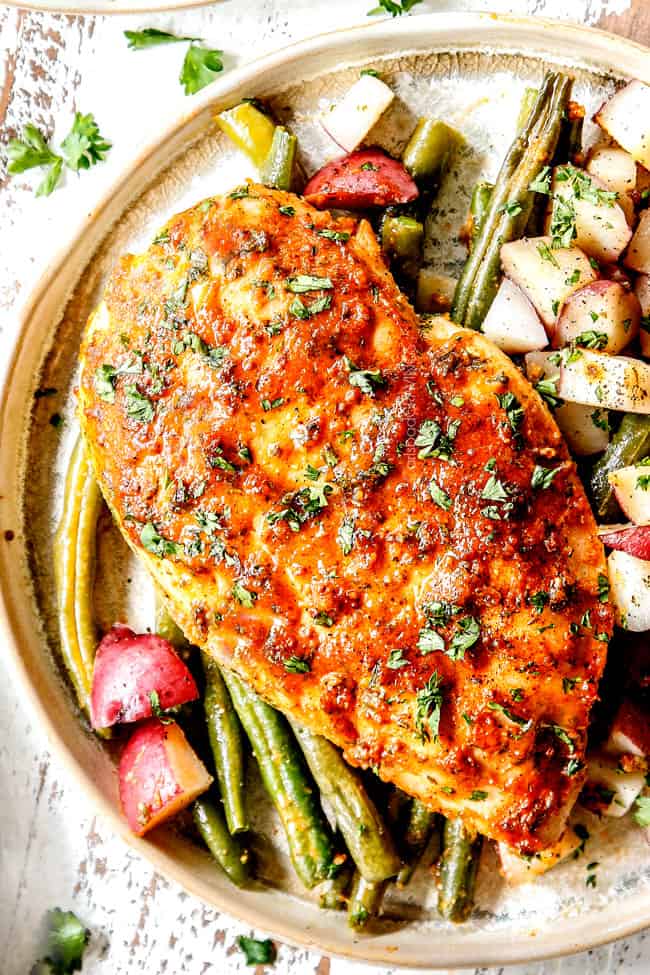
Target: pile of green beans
(629, 445)
(511, 201)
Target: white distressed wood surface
(53, 850)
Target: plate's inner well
(479, 94)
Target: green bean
(226, 849)
(499, 197)
(332, 895)
(401, 240)
(367, 838)
(428, 151)
(527, 102)
(422, 825)
(166, 627)
(288, 783)
(461, 851)
(478, 208)
(277, 171)
(364, 902)
(74, 570)
(227, 744)
(510, 222)
(629, 445)
(569, 148)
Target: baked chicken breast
(376, 525)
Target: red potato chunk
(159, 775)
(633, 539)
(603, 315)
(367, 178)
(630, 731)
(128, 670)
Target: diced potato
(615, 169)
(519, 870)
(626, 118)
(602, 315)
(602, 230)
(642, 291)
(638, 253)
(585, 429)
(619, 790)
(596, 379)
(545, 275)
(630, 731)
(512, 323)
(632, 489)
(629, 580)
(351, 119)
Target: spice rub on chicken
(377, 526)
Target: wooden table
(53, 851)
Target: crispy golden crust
(270, 439)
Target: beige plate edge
(439, 31)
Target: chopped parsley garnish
(300, 310)
(429, 641)
(429, 701)
(271, 404)
(439, 496)
(439, 612)
(517, 694)
(257, 952)
(433, 442)
(513, 208)
(396, 660)
(323, 619)
(568, 683)
(465, 637)
(367, 380)
(155, 543)
(302, 283)
(138, 407)
(600, 419)
(478, 795)
(563, 222)
(200, 68)
(591, 339)
(542, 182)
(539, 600)
(573, 766)
(547, 389)
(513, 409)
(542, 477)
(563, 736)
(494, 490)
(507, 713)
(297, 665)
(243, 596)
(104, 380)
(302, 505)
(341, 236)
(546, 253)
(345, 534)
(287, 211)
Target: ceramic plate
(471, 70)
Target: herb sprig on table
(83, 147)
(393, 7)
(201, 64)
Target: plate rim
(595, 927)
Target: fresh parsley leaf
(297, 665)
(494, 490)
(507, 713)
(542, 182)
(543, 477)
(433, 442)
(323, 619)
(513, 208)
(32, 151)
(465, 637)
(478, 795)
(257, 952)
(396, 659)
(513, 409)
(547, 389)
(539, 600)
(345, 534)
(563, 222)
(66, 942)
(104, 382)
(367, 380)
(341, 236)
(439, 612)
(546, 253)
(429, 701)
(200, 68)
(151, 37)
(299, 309)
(84, 145)
(302, 283)
(591, 339)
(287, 211)
(573, 766)
(243, 596)
(393, 7)
(155, 543)
(429, 641)
(564, 737)
(138, 407)
(438, 495)
(643, 482)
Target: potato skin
(301, 536)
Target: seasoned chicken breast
(377, 526)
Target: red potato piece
(632, 489)
(128, 668)
(545, 275)
(159, 775)
(629, 580)
(367, 178)
(602, 230)
(585, 429)
(625, 117)
(638, 253)
(602, 315)
(512, 322)
(633, 539)
(616, 170)
(630, 731)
